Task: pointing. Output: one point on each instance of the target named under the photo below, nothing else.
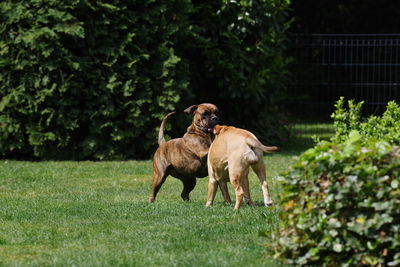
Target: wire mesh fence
(364, 67)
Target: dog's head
(205, 116)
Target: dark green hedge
(92, 79)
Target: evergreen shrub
(83, 79)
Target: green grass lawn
(97, 214)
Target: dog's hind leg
(188, 185)
(158, 180)
(246, 188)
(224, 190)
(259, 169)
(159, 176)
(236, 176)
(235, 180)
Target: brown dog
(185, 158)
(231, 154)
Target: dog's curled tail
(161, 139)
(254, 143)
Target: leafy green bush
(92, 80)
(341, 198)
(385, 127)
(341, 205)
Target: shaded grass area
(97, 214)
(303, 134)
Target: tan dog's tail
(161, 139)
(254, 143)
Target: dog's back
(239, 144)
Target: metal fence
(364, 67)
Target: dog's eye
(204, 115)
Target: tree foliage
(92, 79)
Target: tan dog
(185, 158)
(231, 154)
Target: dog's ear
(217, 129)
(191, 109)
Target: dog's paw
(269, 204)
(185, 197)
(251, 203)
